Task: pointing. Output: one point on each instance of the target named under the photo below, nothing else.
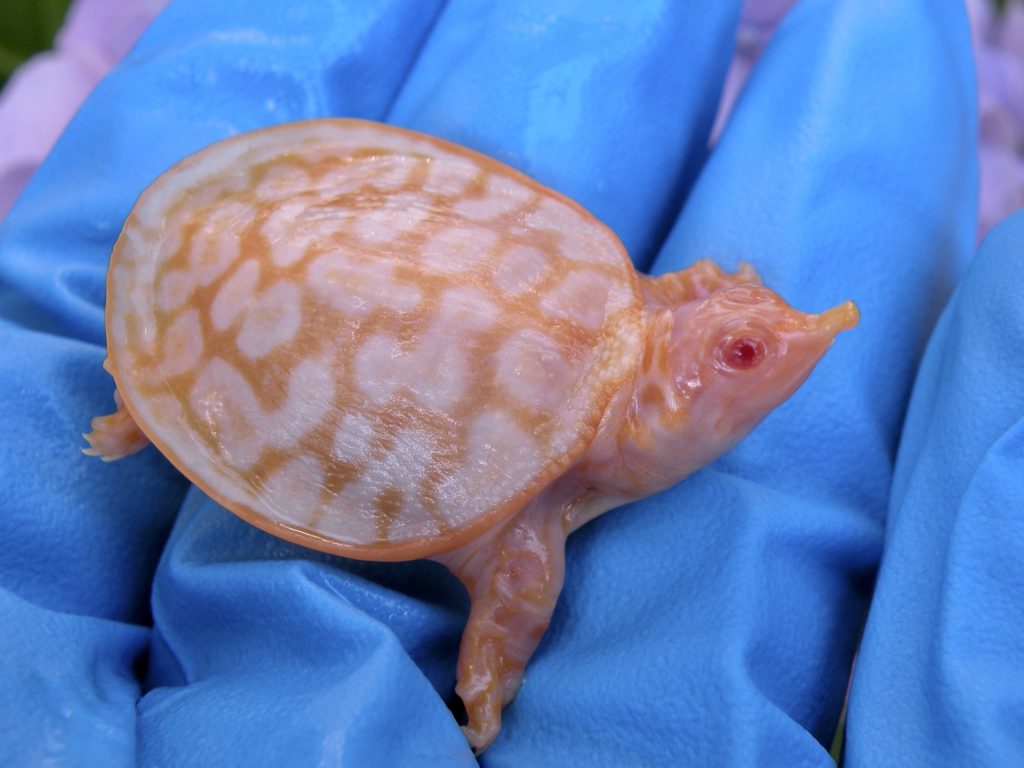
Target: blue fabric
(714, 624)
(939, 677)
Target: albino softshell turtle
(385, 346)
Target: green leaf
(836, 752)
(27, 27)
(8, 61)
(1001, 5)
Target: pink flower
(757, 22)
(44, 93)
(999, 59)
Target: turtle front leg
(698, 281)
(514, 576)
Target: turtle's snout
(838, 319)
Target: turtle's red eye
(743, 353)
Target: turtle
(386, 346)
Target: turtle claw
(480, 738)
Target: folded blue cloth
(939, 677)
(714, 624)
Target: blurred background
(27, 27)
(53, 52)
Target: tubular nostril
(841, 318)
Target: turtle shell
(364, 339)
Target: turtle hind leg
(116, 435)
(514, 577)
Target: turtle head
(741, 352)
(712, 369)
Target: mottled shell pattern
(363, 339)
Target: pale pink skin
(688, 403)
(444, 359)
(685, 407)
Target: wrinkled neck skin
(645, 443)
(515, 572)
(714, 364)
(650, 437)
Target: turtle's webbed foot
(496, 646)
(483, 714)
(116, 435)
(514, 577)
